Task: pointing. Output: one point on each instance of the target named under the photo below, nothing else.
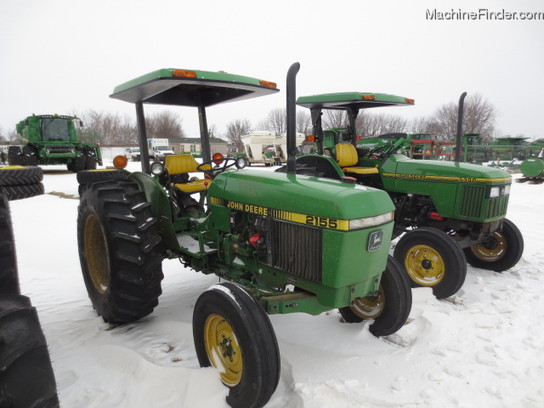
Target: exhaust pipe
(291, 117)
(459, 127)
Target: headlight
(499, 191)
(494, 192)
(157, 169)
(368, 222)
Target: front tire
(390, 308)
(15, 156)
(501, 251)
(432, 259)
(118, 250)
(233, 333)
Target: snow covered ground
(482, 348)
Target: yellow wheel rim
(96, 254)
(223, 349)
(424, 265)
(369, 307)
(493, 251)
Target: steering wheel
(379, 152)
(226, 162)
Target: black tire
(500, 252)
(27, 379)
(90, 158)
(94, 176)
(118, 250)
(18, 175)
(432, 259)
(15, 156)
(87, 177)
(9, 279)
(249, 352)
(24, 191)
(390, 309)
(78, 164)
(30, 155)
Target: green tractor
(282, 242)
(448, 213)
(53, 139)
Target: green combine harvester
(53, 139)
(282, 242)
(446, 213)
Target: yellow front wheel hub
(223, 349)
(369, 307)
(491, 251)
(424, 265)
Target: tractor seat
(178, 164)
(347, 159)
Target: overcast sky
(61, 56)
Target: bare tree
(334, 119)
(304, 122)
(275, 121)
(2, 136)
(235, 130)
(107, 128)
(164, 124)
(375, 124)
(479, 117)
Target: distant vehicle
(159, 148)
(53, 139)
(133, 153)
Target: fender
(160, 207)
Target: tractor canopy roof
(182, 87)
(352, 100)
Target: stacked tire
(26, 374)
(18, 182)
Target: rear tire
(390, 309)
(233, 333)
(27, 378)
(502, 250)
(87, 177)
(432, 259)
(26, 374)
(118, 250)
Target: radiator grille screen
(296, 249)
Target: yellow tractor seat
(186, 163)
(347, 159)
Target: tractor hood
(401, 167)
(255, 191)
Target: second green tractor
(446, 213)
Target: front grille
(472, 199)
(497, 207)
(475, 204)
(296, 249)
(60, 149)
